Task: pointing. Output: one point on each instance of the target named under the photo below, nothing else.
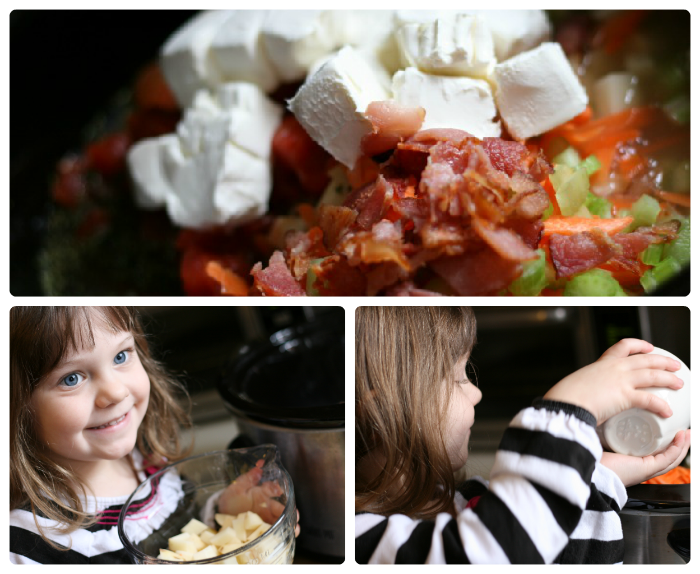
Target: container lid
(296, 379)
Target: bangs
(53, 333)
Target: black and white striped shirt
(100, 543)
(549, 500)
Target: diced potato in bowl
(198, 542)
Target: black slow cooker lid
(296, 379)
(658, 496)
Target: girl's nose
(477, 395)
(111, 391)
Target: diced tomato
(108, 154)
(69, 188)
(152, 92)
(96, 220)
(152, 123)
(294, 149)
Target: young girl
(554, 496)
(92, 414)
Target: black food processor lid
(294, 380)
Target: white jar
(638, 432)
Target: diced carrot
(631, 165)
(231, 283)
(549, 188)
(605, 157)
(682, 199)
(678, 475)
(573, 225)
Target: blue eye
(71, 380)
(118, 355)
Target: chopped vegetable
(679, 248)
(594, 283)
(658, 275)
(533, 279)
(598, 206)
(311, 278)
(571, 188)
(653, 254)
(572, 225)
(678, 475)
(645, 211)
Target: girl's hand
(635, 469)
(615, 382)
(247, 493)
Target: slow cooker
(290, 391)
(656, 524)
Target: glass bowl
(169, 499)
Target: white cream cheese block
(215, 170)
(449, 102)
(452, 44)
(330, 105)
(537, 91)
(184, 56)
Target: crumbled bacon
(582, 251)
(469, 210)
(392, 122)
(276, 279)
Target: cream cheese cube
(515, 31)
(218, 185)
(145, 162)
(331, 104)
(215, 170)
(295, 39)
(537, 91)
(453, 44)
(449, 102)
(237, 53)
(184, 56)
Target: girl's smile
(113, 425)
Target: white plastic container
(638, 432)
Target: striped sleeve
(540, 487)
(597, 538)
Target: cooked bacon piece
(576, 253)
(391, 122)
(380, 245)
(276, 279)
(529, 230)
(634, 243)
(477, 273)
(508, 244)
(302, 246)
(336, 277)
(440, 235)
(434, 135)
(511, 157)
(335, 221)
(382, 276)
(369, 202)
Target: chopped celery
(645, 211)
(569, 157)
(660, 274)
(571, 187)
(548, 212)
(653, 254)
(680, 248)
(598, 206)
(590, 164)
(594, 283)
(311, 278)
(533, 279)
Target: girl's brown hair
(404, 361)
(40, 338)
